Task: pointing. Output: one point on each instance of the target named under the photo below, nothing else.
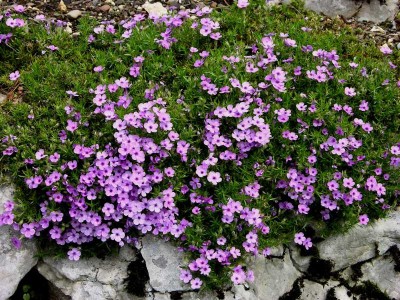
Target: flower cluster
(271, 143)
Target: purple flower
(363, 219)
(74, 254)
(196, 283)
(98, 69)
(214, 177)
(14, 75)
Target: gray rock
(74, 14)
(163, 262)
(91, 278)
(313, 290)
(273, 277)
(361, 242)
(14, 264)
(156, 9)
(300, 262)
(333, 8)
(381, 272)
(242, 294)
(377, 13)
(342, 293)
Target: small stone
(104, 8)
(74, 14)
(155, 9)
(377, 29)
(214, 4)
(62, 7)
(68, 30)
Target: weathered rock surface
(14, 264)
(91, 278)
(313, 290)
(381, 272)
(361, 242)
(273, 277)
(163, 262)
(345, 8)
(376, 12)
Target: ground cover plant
(228, 131)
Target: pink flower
(98, 69)
(299, 238)
(363, 219)
(351, 92)
(214, 177)
(196, 283)
(14, 75)
(385, 49)
(52, 48)
(74, 254)
(242, 3)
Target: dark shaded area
(357, 273)
(331, 295)
(295, 292)
(138, 276)
(176, 295)
(320, 268)
(370, 291)
(34, 285)
(394, 250)
(220, 294)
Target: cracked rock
(14, 264)
(381, 272)
(273, 277)
(300, 262)
(91, 278)
(313, 290)
(163, 262)
(361, 242)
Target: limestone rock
(381, 272)
(14, 264)
(273, 277)
(242, 294)
(361, 242)
(163, 262)
(313, 290)
(91, 278)
(333, 8)
(155, 9)
(342, 293)
(373, 11)
(300, 262)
